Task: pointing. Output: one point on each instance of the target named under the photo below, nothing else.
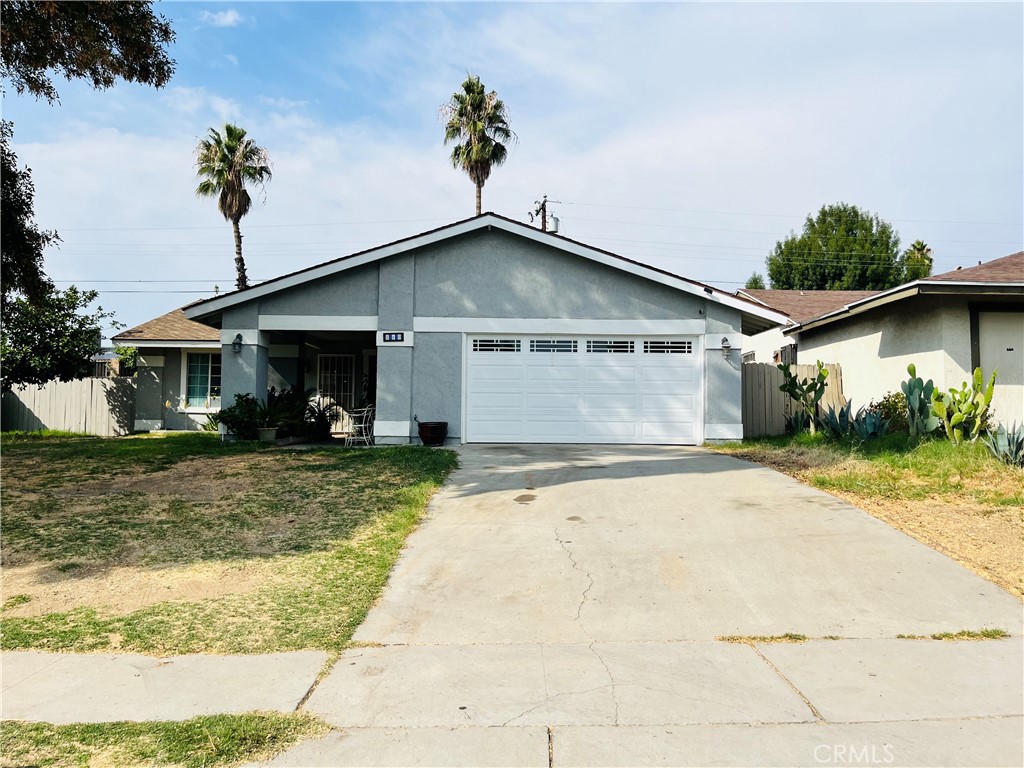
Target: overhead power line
(758, 232)
(784, 215)
(247, 226)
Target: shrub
(243, 418)
(892, 408)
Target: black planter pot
(433, 432)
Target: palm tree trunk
(241, 281)
(479, 196)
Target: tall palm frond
(477, 122)
(225, 163)
(918, 260)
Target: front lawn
(957, 499)
(178, 544)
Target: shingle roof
(173, 326)
(1008, 269)
(804, 305)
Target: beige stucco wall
(874, 349)
(764, 345)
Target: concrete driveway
(562, 605)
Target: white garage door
(583, 389)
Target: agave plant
(1007, 445)
(836, 425)
(869, 423)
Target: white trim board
(318, 322)
(549, 326)
(723, 431)
(392, 428)
(485, 221)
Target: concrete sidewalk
(98, 688)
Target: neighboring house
(508, 333)
(947, 325)
(777, 345)
(178, 371)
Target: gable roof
(999, 277)
(1008, 269)
(757, 315)
(804, 305)
(172, 327)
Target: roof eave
(901, 292)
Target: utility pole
(542, 211)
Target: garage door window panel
(616, 346)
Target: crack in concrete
(790, 683)
(611, 679)
(576, 567)
(551, 698)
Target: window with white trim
(202, 380)
(496, 345)
(623, 346)
(552, 345)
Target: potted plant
(266, 420)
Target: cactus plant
(963, 410)
(920, 419)
(807, 392)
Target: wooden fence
(765, 408)
(92, 406)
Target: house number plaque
(393, 337)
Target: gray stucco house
(508, 333)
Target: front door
(335, 383)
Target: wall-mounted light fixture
(726, 347)
(236, 344)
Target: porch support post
(243, 372)
(396, 288)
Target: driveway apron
(566, 605)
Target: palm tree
(478, 121)
(225, 163)
(918, 260)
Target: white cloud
(281, 102)
(231, 58)
(228, 18)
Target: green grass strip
(202, 742)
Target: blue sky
(690, 136)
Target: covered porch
(339, 366)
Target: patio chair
(362, 427)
